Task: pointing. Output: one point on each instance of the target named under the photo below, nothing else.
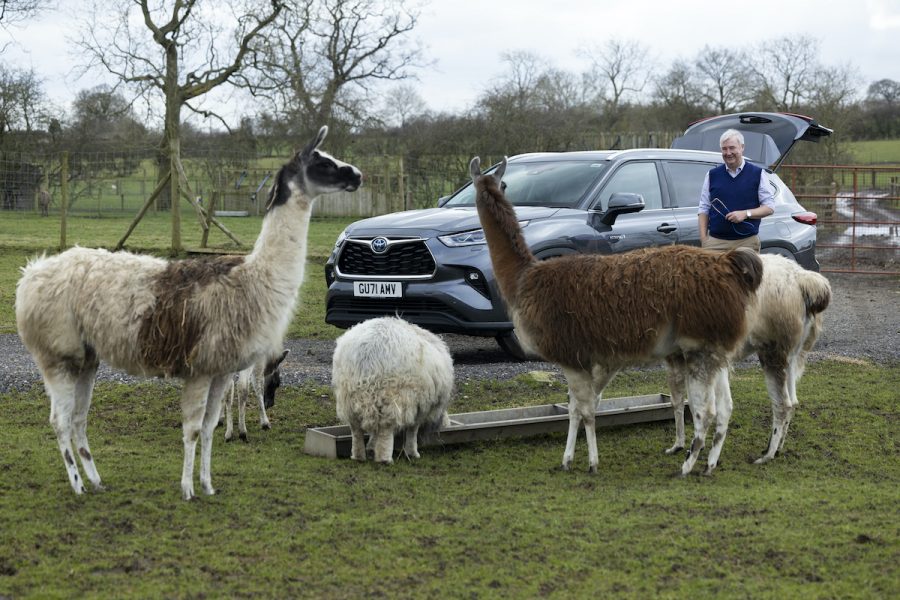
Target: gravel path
(863, 322)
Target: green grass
(23, 236)
(484, 520)
(876, 152)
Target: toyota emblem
(379, 245)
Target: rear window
(686, 179)
(558, 184)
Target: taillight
(807, 218)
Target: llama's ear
(475, 168)
(501, 170)
(275, 363)
(311, 147)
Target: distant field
(876, 152)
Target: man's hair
(732, 133)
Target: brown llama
(594, 315)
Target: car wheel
(510, 344)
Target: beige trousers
(712, 243)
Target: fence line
(858, 206)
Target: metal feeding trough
(335, 441)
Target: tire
(509, 343)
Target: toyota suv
(432, 266)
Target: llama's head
(313, 172)
(496, 176)
(272, 379)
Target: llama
(200, 320)
(784, 322)
(388, 376)
(264, 379)
(593, 315)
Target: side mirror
(622, 203)
(442, 201)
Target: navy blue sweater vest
(736, 193)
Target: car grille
(407, 259)
(408, 307)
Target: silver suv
(432, 266)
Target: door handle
(666, 228)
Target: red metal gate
(859, 215)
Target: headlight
(468, 238)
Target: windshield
(558, 183)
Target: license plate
(378, 289)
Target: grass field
(885, 152)
(485, 520)
(494, 519)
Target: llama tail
(816, 290)
(747, 266)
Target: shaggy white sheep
(388, 376)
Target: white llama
(594, 315)
(389, 376)
(200, 320)
(784, 323)
(262, 379)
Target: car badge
(379, 245)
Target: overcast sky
(465, 38)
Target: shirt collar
(737, 171)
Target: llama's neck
(280, 249)
(510, 255)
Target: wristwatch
(749, 216)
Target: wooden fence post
(64, 201)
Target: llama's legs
(193, 408)
(700, 391)
(675, 375)
(411, 442)
(584, 394)
(575, 416)
(61, 386)
(213, 405)
(259, 386)
(384, 445)
(723, 415)
(358, 443)
(84, 389)
(243, 391)
(229, 415)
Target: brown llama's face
(732, 153)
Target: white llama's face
(324, 174)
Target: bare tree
(321, 59)
(724, 78)
(16, 11)
(22, 100)
(185, 49)
(619, 70)
(402, 103)
(786, 72)
(885, 91)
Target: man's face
(732, 153)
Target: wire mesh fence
(858, 206)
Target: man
(734, 197)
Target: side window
(686, 179)
(636, 178)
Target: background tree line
(294, 64)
